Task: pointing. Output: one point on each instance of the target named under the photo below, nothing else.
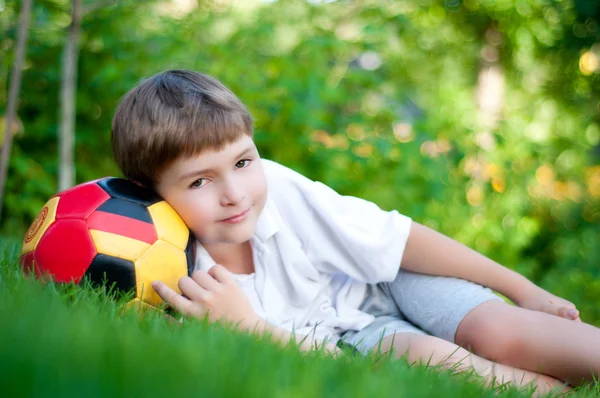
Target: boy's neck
(236, 258)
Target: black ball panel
(126, 208)
(115, 270)
(125, 189)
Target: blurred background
(478, 118)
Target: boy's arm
(429, 252)
(283, 336)
(216, 294)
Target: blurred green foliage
(479, 118)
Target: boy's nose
(231, 195)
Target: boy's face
(218, 194)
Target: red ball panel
(66, 250)
(76, 187)
(124, 226)
(27, 262)
(80, 201)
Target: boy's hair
(173, 114)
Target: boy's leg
(495, 330)
(436, 304)
(390, 330)
(433, 351)
(532, 340)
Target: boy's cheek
(196, 222)
(198, 226)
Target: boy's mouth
(236, 218)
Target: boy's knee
(422, 349)
(402, 343)
(494, 330)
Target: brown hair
(173, 114)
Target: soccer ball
(109, 231)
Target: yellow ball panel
(169, 226)
(163, 262)
(118, 245)
(42, 221)
(138, 305)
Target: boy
(297, 259)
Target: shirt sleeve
(344, 234)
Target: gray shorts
(416, 303)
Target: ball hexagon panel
(123, 225)
(169, 226)
(42, 221)
(114, 270)
(164, 262)
(28, 264)
(127, 190)
(65, 259)
(189, 253)
(118, 246)
(81, 201)
(139, 305)
(127, 208)
(76, 187)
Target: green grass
(62, 341)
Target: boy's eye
(198, 183)
(242, 163)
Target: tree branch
(13, 94)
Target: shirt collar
(269, 221)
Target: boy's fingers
(573, 314)
(191, 289)
(221, 274)
(170, 296)
(569, 313)
(205, 280)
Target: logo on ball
(37, 224)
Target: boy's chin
(238, 240)
(233, 238)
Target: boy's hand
(214, 293)
(540, 300)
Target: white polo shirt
(314, 251)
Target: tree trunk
(13, 95)
(66, 173)
(490, 89)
